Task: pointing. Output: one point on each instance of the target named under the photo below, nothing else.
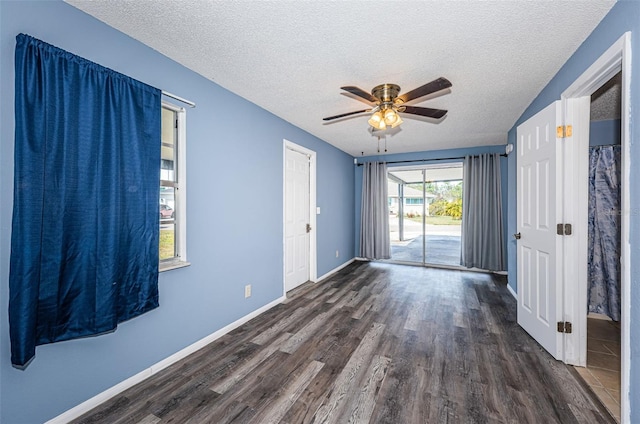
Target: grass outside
(167, 244)
(438, 220)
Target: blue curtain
(84, 241)
(604, 231)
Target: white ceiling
(292, 57)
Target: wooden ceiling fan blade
(357, 91)
(342, 115)
(428, 88)
(423, 111)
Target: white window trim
(181, 201)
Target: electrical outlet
(337, 253)
(247, 291)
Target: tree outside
(446, 208)
(167, 243)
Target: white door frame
(617, 58)
(313, 263)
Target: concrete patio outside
(442, 242)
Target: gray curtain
(374, 222)
(482, 235)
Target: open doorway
(425, 214)
(576, 99)
(603, 361)
(567, 300)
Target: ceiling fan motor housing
(386, 93)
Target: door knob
(517, 236)
(308, 228)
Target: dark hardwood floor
(374, 343)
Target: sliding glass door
(425, 207)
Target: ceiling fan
(387, 103)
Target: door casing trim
(617, 58)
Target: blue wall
(431, 157)
(604, 132)
(231, 157)
(623, 17)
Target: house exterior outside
(413, 200)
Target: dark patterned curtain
(604, 231)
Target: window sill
(168, 266)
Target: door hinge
(563, 131)
(564, 327)
(564, 229)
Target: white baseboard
(334, 270)
(100, 398)
(513, 293)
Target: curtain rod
(173, 96)
(426, 160)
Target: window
(172, 208)
(413, 201)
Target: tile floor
(602, 373)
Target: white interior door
(297, 225)
(538, 211)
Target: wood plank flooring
(374, 343)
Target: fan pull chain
(385, 144)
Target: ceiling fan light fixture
(377, 121)
(398, 122)
(390, 117)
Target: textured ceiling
(291, 57)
